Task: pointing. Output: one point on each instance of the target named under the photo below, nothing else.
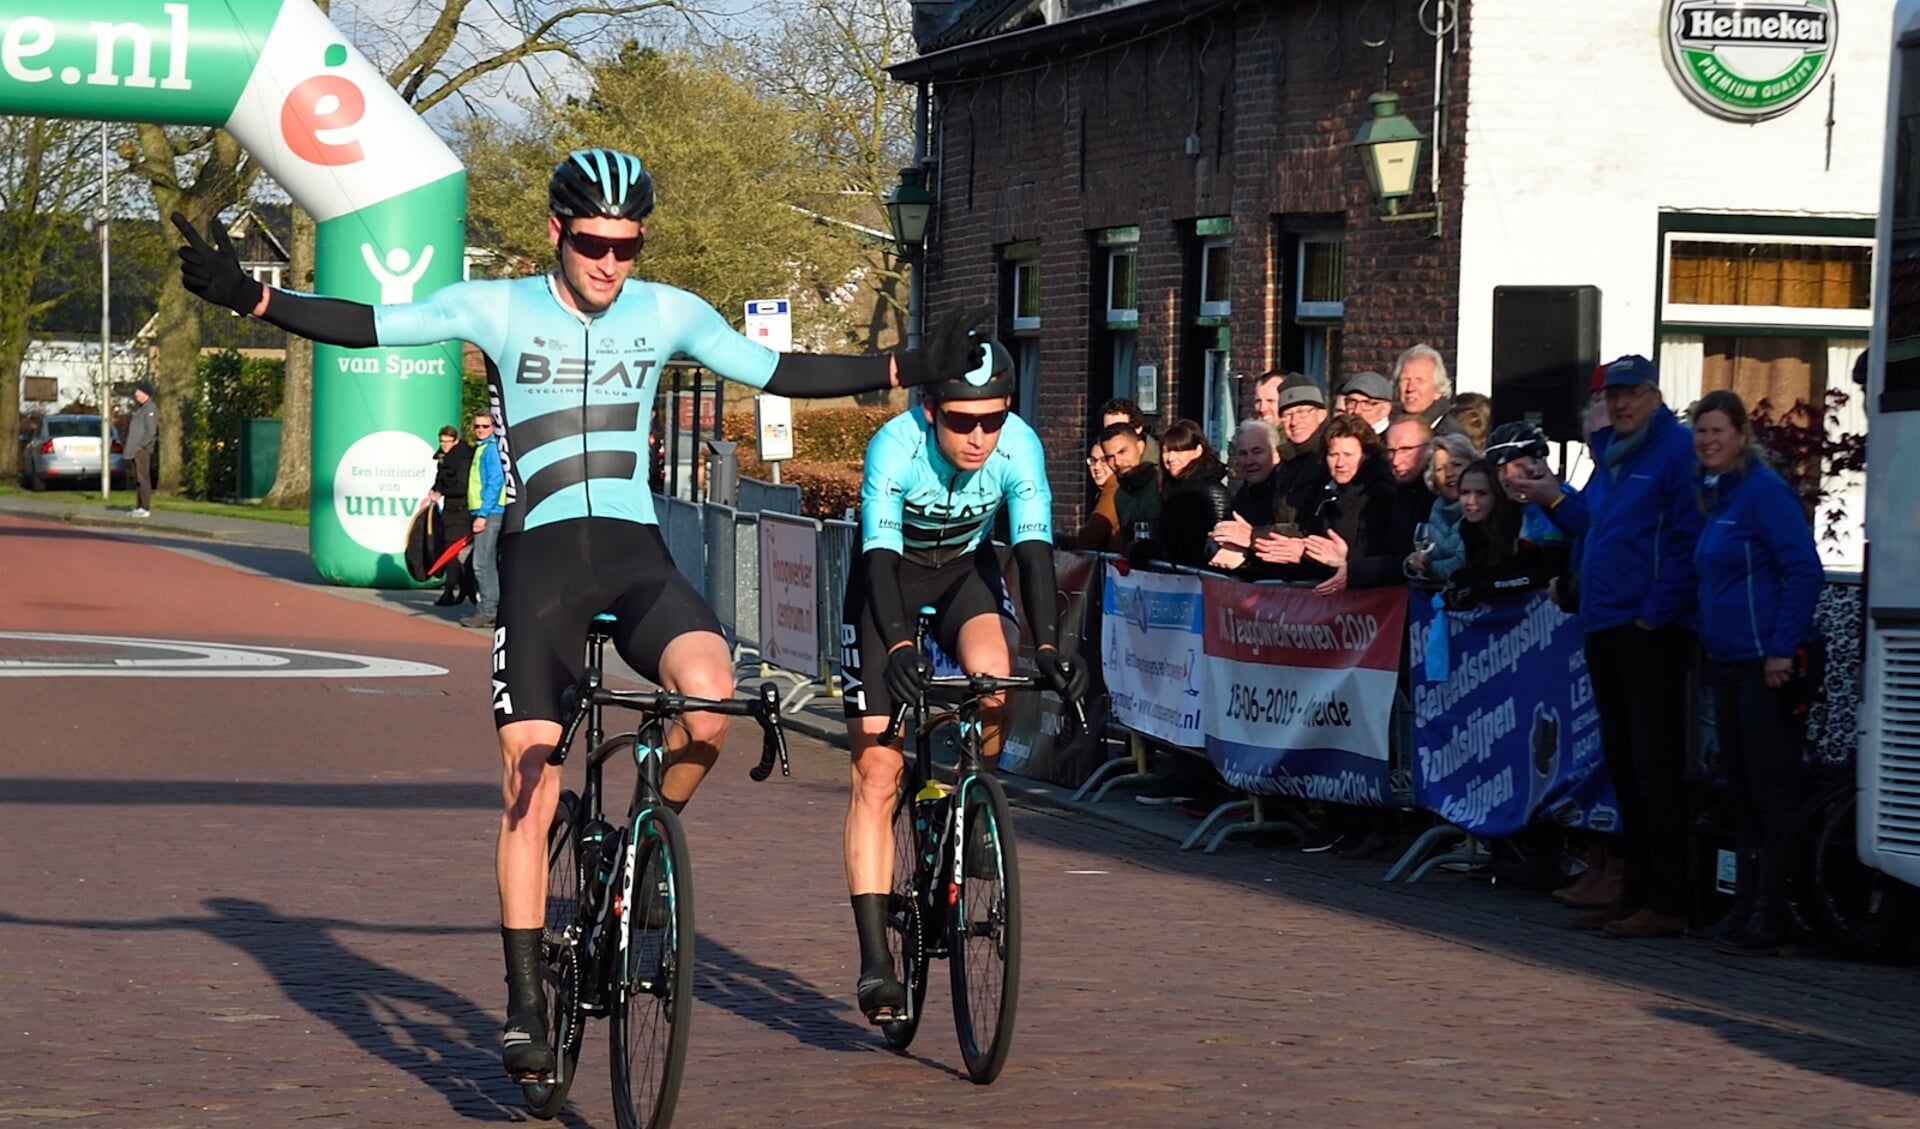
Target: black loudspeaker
(1546, 341)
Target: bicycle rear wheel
(1865, 914)
(985, 955)
(652, 995)
(906, 924)
(562, 971)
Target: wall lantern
(1390, 148)
(908, 208)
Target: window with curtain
(1794, 275)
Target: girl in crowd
(1452, 454)
(1498, 558)
(1193, 495)
(1101, 531)
(1256, 506)
(1760, 576)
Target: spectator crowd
(1682, 553)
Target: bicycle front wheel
(906, 924)
(1865, 913)
(985, 954)
(561, 974)
(652, 992)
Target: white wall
(75, 364)
(1578, 138)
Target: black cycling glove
(950, 350)
(907, 674)
(212, 270)
(1067, 676)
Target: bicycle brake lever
(893, 727)
(773, 742)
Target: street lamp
(909, 207)
(1390, 148)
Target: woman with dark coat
(455, 459)
(1193, 496)
(1352, 514)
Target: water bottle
(930, 819)
(599, 841)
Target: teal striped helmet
(600, 182)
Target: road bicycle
(1830, 897)
(619, 928)
(962, 906)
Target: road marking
(130, 657)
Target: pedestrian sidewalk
(84, 509)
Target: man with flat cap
(143, 438)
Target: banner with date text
(1299, 688)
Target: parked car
(66, 448)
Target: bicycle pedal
(535, 1079)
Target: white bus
(1888, 830)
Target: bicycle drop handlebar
(976, 685)
(764, 709)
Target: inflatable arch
(388, 196)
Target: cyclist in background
(936, 477)
(573, 362)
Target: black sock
(870, 920)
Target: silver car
(67, 449)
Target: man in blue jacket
(486, 483)
(1637, 520)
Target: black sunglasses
(594, 248)
(963, 423)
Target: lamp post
(1389, 148)
(909, 207)
(100, 217)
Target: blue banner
(1511, 734)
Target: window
(1026, 377)
(1216, 277)
(268, 273)
(1901, 388)
(1026, 295)
(1320, 278)
(1123, 282)
(1738, 280)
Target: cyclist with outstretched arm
(573, 363)
(936, 477)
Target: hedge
(829, 446)
(228, 389)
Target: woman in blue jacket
(1760, 577)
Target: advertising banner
(789, 593)
(1512, 734)
(1151, 657)
(1299, 689)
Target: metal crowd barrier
(838, 541)
(758, 497)
(680, 527)
(719, 528)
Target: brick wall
(1269, 94)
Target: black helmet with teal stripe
(991, 379)
(600, 182)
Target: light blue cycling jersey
(573, 394)
(915, 502)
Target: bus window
(1902, 390)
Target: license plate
(83, 448)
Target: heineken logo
(1749, 61)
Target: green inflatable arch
(388, 196)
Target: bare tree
(46, 172)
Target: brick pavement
(269, 903)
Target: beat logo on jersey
(538, 368)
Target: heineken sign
(1748, 60)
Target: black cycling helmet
(600, 182)
(991, 379)
(1516, 440)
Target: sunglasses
(593, 248)
(963, 423)
(483, 427)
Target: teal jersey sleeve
(1024, 483)
(706, 337)
(892, 457)
(476, 312)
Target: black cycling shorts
(959, 590)
(554, 579)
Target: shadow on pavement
(440, 1037)
(780, 1001)
(1806, 1012)
(384, 794)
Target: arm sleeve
(465, 311)
(1675, 585)
(1790, 540)
(816, 375)
(1029, 496)
(330, 321)
(883, 596)
(1038, 584)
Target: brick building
(1161, 198)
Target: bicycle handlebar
(975, 685)
(764, 709)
